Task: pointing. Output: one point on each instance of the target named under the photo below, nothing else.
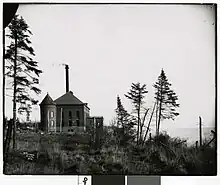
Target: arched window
(52, 123)
(77, 123)
(70, 115)
(70, 118)
(51, 114)
(77, 118)
(62, 119)
(78, 114)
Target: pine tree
(124, 121)
(121, 113)
(166, 100)
(21, 68)
(137, 95)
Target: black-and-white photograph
(97, 88)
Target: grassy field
(38, 153)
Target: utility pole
(200, 131)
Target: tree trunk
(3, 93)
(159, 100)
(8, 140)
(3, 83)
(159, 118)
(143, 121)
(138, 111)
(156, 115)
(200, 131)
(14, 95)
(148, 127)
(123, 130)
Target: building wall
(72, 118)
(48, 118)
(86, 115)
(95, 127)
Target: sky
(109, 47)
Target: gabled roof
(68, 99)
(47, 100)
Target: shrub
(65, 154)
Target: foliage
(166, 100)
(21, 67)
(137, 95)
(125, 124)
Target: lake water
(191, 134)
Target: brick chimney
(67, 77)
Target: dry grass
(65, 154)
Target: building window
(70, 123)
(51, 114)
(70, 119)
(70, 114)
(77, 123)
(77, 118)
(62, 119)
(52, 123)
(77, 114)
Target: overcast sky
(108, 47)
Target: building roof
(69, 99)
(47, 100)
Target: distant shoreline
(190, 134)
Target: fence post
(200, 131)
(196, 144)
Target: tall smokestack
(67, 77)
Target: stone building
(65, 114)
